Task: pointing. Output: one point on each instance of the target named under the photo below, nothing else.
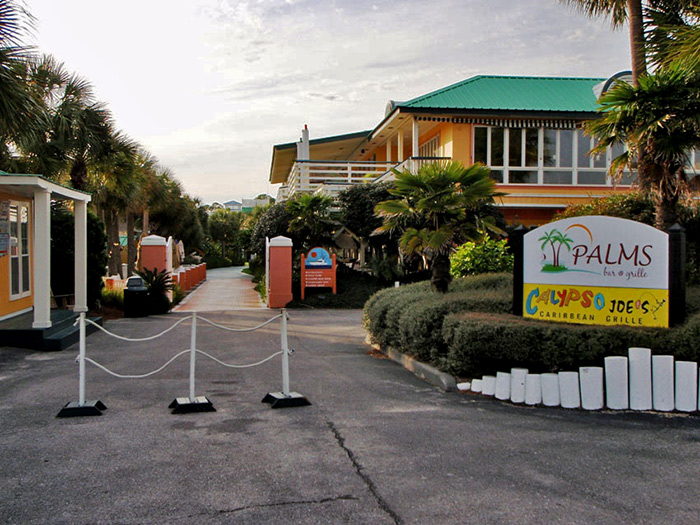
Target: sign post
(318, 270)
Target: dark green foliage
(272, 223)
(63, 254)
(480, 343)
(420, 324)
(158, 284)
(354, 288)
(212, 256)
(357, 209)
(468, 332)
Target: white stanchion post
(686, 386)
(616, 383)
(569, 390)
(517, 384)
(591, 378)
(81, 363)
(193, 354)
(533, 389)
(82, 407)
(502, 386)
(550, 390)
(662, 382)
(640, 378)
(186, 405)
(285, 355)
(285, 398)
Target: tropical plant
(488, 256)
(660, 117)
(159, 284)
(436, 210)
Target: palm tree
(563, 240)
(662, 117)
(548, 238)
(311, 219)
(620, 12)
(76, 132)
(435, 211)
(19, 108)
(673, 32)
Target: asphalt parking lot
(377, 445)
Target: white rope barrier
(193, 403)
(137, 340)
(240, 366)
(137, 376)
(222, 327)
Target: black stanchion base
(184, 405)
(90, 408)
(279, 400)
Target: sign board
(317, 270)
(597, 270)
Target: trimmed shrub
(420, 325)
(478, 343)
(377, 308)
(487, 256)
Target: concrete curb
(426, 372)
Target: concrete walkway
(225, 289)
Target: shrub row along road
(377, 446)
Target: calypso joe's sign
(597, 270)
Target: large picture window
(20, 270)
(543, 156)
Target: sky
(209, 86)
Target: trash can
(136, 299)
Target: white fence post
(185, 405)
(285, 398)
(193, 354)
(82, 407)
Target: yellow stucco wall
(8, 307)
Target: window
(20, 270)
(546, 156)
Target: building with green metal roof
(526, 129)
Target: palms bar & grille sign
(596, 270)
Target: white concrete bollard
(464, 387)
(686, 386)
(662, 382)
(550, 390)
(591, 378)
(533, 389)
(502, 386)
(476, 386)
(569, 390)
(517, 384)
(488, 385)
(616, 383)
(640, 378)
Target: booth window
(20, 270)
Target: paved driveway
(377, 446)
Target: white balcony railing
(412, 164)
(307, 175)
(329, 177)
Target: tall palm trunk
(637, 47)
(441, 277)
(114, 260)
(130, 244)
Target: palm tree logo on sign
(552, 243)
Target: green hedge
(469, 332)
(479, 343)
